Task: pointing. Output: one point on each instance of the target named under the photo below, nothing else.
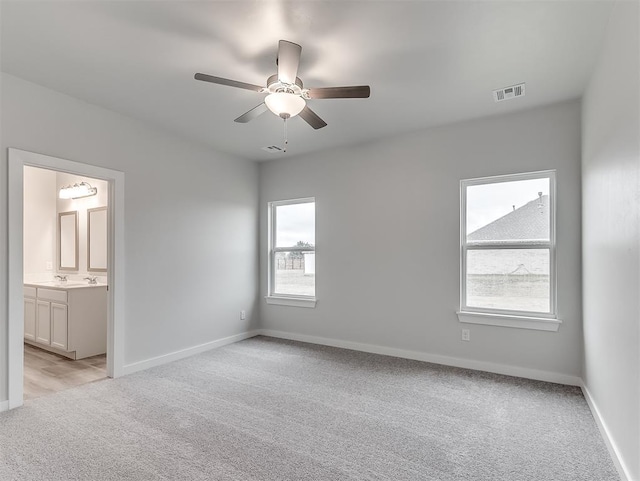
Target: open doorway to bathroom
(115, 274)
(66, 277)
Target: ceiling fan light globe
(285, 103)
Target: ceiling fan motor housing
(275, 85)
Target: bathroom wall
(81, 206)
(39, 223)
(41, 208)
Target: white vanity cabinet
(59, 325)
(71, 321)
(43, 322)
(30, 313)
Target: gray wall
(611, 235)
(190, 227)
(387, 233)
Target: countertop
(64, 285)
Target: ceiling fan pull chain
(286, 141)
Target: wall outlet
(243, 315)
(49, 266)
(466, 335)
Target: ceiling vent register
(508, 93)
(274, 149)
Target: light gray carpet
(266, 409)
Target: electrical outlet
(466, 335)
(243, 315)
(49, 266)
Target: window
(292, 253)
(508, 251)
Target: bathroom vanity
(68, 318)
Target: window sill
(292, 301)
(520, 322)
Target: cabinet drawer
(29, 291)
(52, 295)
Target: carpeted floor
(267, 409)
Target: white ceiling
(428, 62)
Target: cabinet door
(30, 319)
(59, 326)
(43, 322)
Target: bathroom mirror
(68, 241)
(97, 239)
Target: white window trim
(276, 298)
(309, 302)
(503, 320)
(503, 317)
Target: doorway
(114, 182)
(65, 280)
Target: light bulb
(283, 103)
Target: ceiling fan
(286, 95)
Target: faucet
(61, 278)
(92, 279)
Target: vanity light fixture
(76, 191)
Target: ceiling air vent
(508, 93)
(274, 149)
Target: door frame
(18, 159)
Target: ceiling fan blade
(310, 117)
(252, 114)
(356, 92)
(288, 61)
(225, 81)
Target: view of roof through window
(487, 203)
(508, 235)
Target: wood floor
(46, 372)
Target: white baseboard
(174, 356)
(4, 406)
(434, 358)
(606, 436)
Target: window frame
(508, 317)
(272, 221)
